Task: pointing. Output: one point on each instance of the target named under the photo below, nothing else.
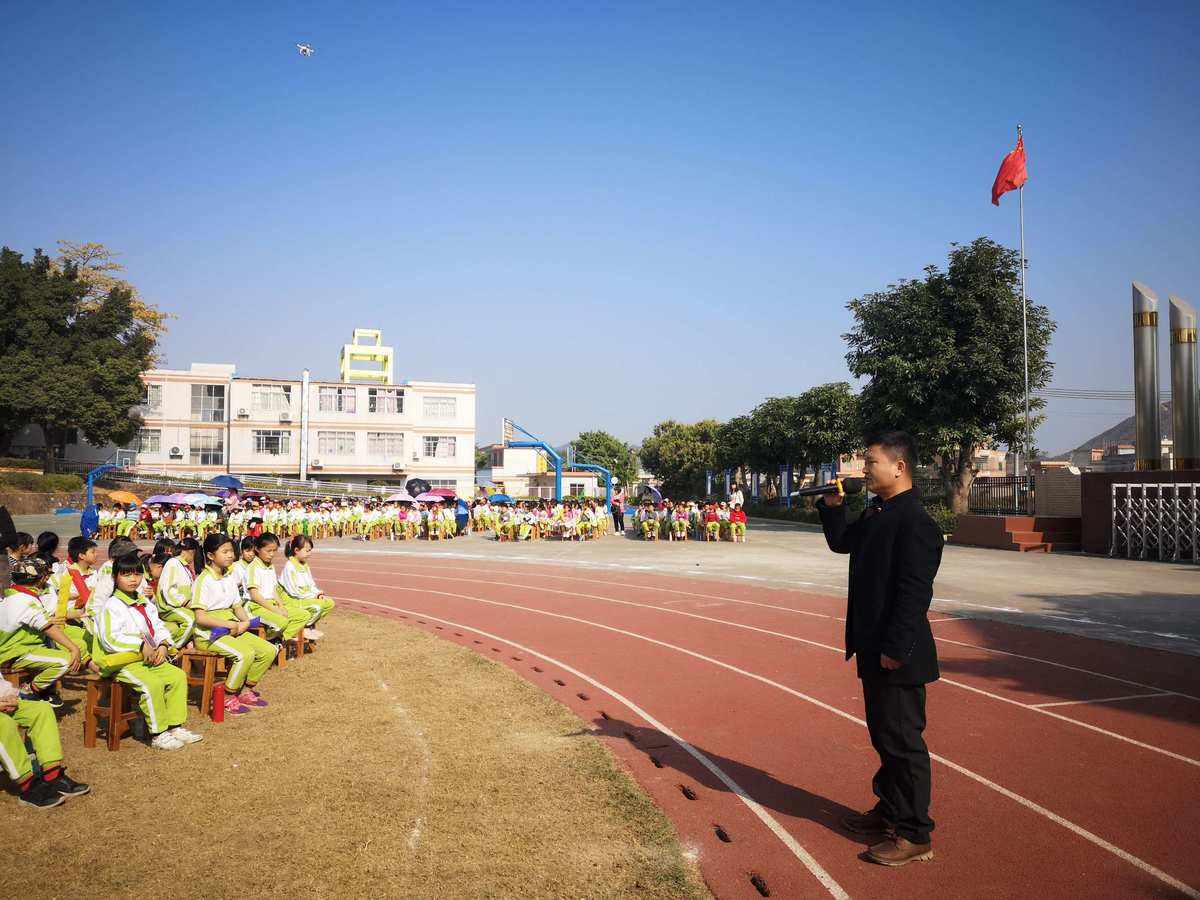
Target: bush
(12, 462)
(943, 516)
(42, 484)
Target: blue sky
(603, 214)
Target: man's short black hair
(898, 445)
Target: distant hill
(1122, 432)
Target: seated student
(24, 627)
(47, 551)
(173, 593)
(22, 545)
(648, 521)
(241, 566)
(67, 594)
(737, 523)
(41, 730)
(223, 626)
(104, 585)
(723, 520)
(679, 522)
(263, 585)
(297, 587)
(136, 650)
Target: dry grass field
(388, 764)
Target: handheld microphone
(841, 486)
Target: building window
(441, 447)
(497, 457)
(440, 407)
(207, 447)
(271, 397)
(151, 400)
(385, 443)
(149, 440)
(576, 489)
(336, 399)
(335, 443)
(208, 403)
(449, 483)
(272, 442)
(385, 400)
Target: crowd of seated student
(569, 520)
(129, 619)
(701, 521)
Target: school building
(524, 472)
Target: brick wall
(1058, 493)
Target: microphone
(841, 486)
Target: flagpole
(1025, 323)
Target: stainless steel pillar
(1185, 402)
(1147, 433)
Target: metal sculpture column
(1185, 402)
(1147, 434)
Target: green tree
(943, 356)
(827, 422)
(603, 449)
(70, 361)
(678, 454)
(483, 458)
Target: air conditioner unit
(285, 417)
(176, 453)
(243, 414)
(398, 467)
(416, 456)
(315, 464)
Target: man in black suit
(895, 550)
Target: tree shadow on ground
(761, 786)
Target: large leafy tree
(827, 422)
(678, 454)
(603, 449)
(943, 359)
(70, 361)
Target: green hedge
(940, 513)
(42, 484)
(12, 462)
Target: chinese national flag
(1012, 174)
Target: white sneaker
(184, 736)
(313, 635)
(166, 741)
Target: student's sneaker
(235, 707)
(249, 697)
(66, 787)
(166, 741)
(311, 634)
(41, 796)
(54, 698)
(184, 736)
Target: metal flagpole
(1025, 324)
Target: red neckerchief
(140, 606)
(25, 590)
(81, 587)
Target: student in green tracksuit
(173, 595)
(24, 628)
(216, 603)
(287, 621)
(136, 647)
(297, 587)
(41, 730)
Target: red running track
(1064, 766)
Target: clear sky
(604, 214)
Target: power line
(1090, 394)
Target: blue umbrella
(500, 498)
(227, 481)
(653, 493)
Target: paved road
(1151, 604)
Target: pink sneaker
(249, 698)
(234, 707)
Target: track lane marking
(840, 651)
(1078, 830)
(809, 861)
(1104, 699)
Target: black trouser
(895, 719)
(619, 521)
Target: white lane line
(708, 605)
(946, 619)
(1104, 700)
(791, 637)
(962, 770)
(765, 817)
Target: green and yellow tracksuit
(173, 599)
(249, 655)
(22, 643)
(261, 577)
(297, 587)
(41, 728)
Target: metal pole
(1024, 330)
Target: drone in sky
(305, 49)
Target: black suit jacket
(895, 550)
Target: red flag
(1012, 174)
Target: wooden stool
(206, 680)
(16, 677)
(115, 717)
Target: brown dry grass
(390, 763)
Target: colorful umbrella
(159, 498)
(429, 497)
(123, 497)
(500, 498)
(402, 497)
(443, 492)
(227, 481)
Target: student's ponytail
(298, 542)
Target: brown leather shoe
(898, 851)
(870, 822)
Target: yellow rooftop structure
(366, 359)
